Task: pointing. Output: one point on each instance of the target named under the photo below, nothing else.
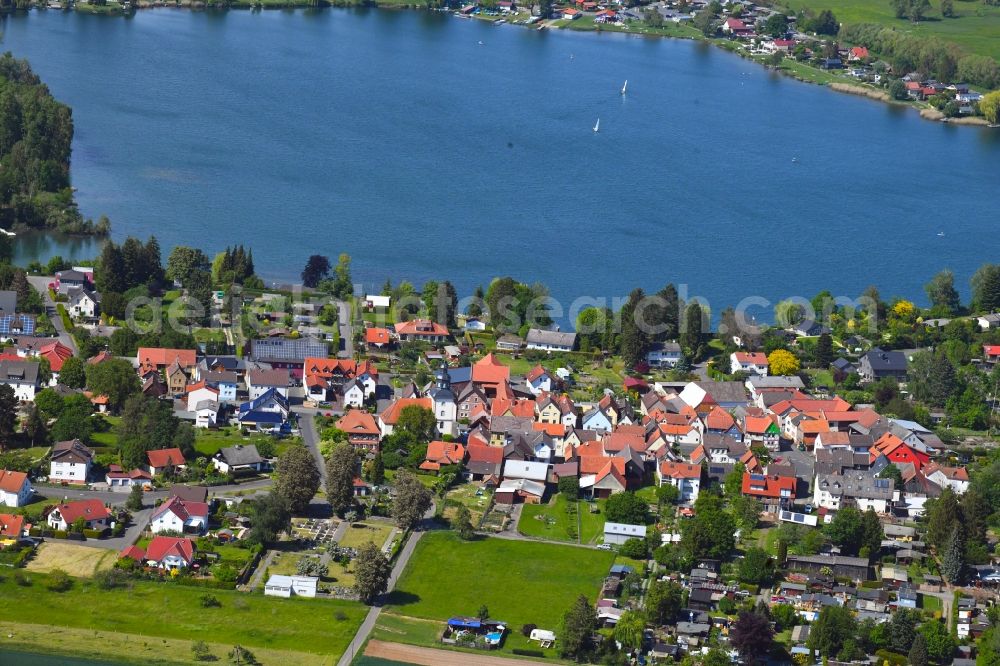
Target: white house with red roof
(956, 478)
(169, 552)
(682, 476)
(15, 488)
(95, 515)
(181, 516)
(118, 479)
(991, 353)
(752, 362)
(539, 380)
(421, 330)
(734, 27)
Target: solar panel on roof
(881, 483)
(757, 477)
(799, 518)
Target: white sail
(624, 87)
(597, 127)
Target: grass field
(359, 534)
(73, 559)
(122, 648)
(975, 29)
(556, 522)
(520, 581)
(465, 494)
(171, 611)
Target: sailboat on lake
(625, 87)
(597, 127)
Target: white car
(604, 546)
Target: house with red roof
(780, 45)
(440, 454)
(327, 379)
(181, 516)
(362, 430)
(761, 429)
(56, 353)
(169, 552)
(686, 478)
(539, 380)
(162, 459)
(15, 488)
(751, 362)
(773, 491)
(956, 478)
(389, 417)
(159, 358)
(991, 353)
(601, 476)
(858, 53)
(734, 27)
(95, 515)
(421, 330)
(898, 452)
(378, 338)
(571, 13)
(12, 529)
(485, 462)
(117, 478)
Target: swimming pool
(493, 638)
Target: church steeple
(443, 379)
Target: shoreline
(668, 31)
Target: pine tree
(34, 426)
(341, 468)
(918, 651)
(377, 470)
(692, 328)
(953, 560)
(824, 350)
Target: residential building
(860, 489)
(287, 353)
(181, 516)
(775, 492)
(550, 340)
(120, 480)
(169, 552)
(83, 304)
(754, 363)
(362, 431)
(441, 454)
(161, 460)
(421, 330)
(94, 514)
(12, 529)
(266, 413)
(664, 355)
(260, 381)
(285, 586)
(15, 488)
(239, 458)
(686, 478)
(70, 462)
(22, 376)
(878, 364)
(159, 358)
(956, 478)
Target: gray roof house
(538, 338)
(879, 364)
(238, 458)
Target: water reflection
(39, 246)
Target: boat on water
(940, 233)
(597, 126)
(625, 87)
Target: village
(736, 510)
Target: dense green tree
(943, 513)
(986, 287)
(297, 478)
(8, 414)
(48, 402)
(989, 105)
(317, 269)
(932, 378)
(707, 22)
(579, 624)
(269, 517)
(776, 25)
(184, 262)
(871, 532)
(942, 294)
(417, 421)
(74, 420)
(463, 523)
(371, 573)
(710, 532)
(902, 629)
(114, 378)
(746, 512)
(940, 643)
(751, 635)
(134, 501)
(411, 502)
(846, 530)
(692, 332)
(377, 474)
(626, 508)
(823, 353)
(634, 342)
(834, 626)
(664, 600)
(953, 558)
(755, 567)
(630, 628)
(34, 426)
(341, 470)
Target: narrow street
(310, 437)
(41, 285)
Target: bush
(93, 534)
(110, 579)
(209, 601)
(634, 548)
(21, 579)
(59, 581)
(527, 629)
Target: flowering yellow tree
(904, 309)
(782, 362)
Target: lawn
(122, 648)
(520, 581)
(306, 625)
(465, 494)
(557, 520)
(73, 559)
(975, 29)
(207, 442)
(359, 534)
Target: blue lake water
(397, 137)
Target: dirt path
(411, 654)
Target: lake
(427, 146)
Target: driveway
(346, 330)
(41, 285)
(307, 428)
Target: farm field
(74, 559)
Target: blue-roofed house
(12, 325)
(268, 413)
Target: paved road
(41, 285)
(307, 428)
(346, 330)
